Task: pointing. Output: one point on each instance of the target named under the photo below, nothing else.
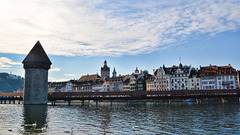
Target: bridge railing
(122, 94)
(142, 93)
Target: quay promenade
(197, 95)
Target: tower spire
(114, 72)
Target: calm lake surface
(122, 118)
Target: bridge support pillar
(69, 102)
(82, 102)
(9, 101)
(223, 100)
(5, 101)
(18, 101)
(13, 101)
(1, 101)
(198, 101)
(169, 101)
(96, 102)
(184, 101)
(53, 102)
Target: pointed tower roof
(114, 72)
(37, 58)
(136, 71)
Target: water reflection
(105, 113)
(34, 119)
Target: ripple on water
(122, 118)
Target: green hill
(10, 82)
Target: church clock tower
(105, 71)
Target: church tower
(105, 70)
(114, 72)
(36, 65)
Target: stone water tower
(36, 65)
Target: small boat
(190, 100)
(71, 132)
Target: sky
(78, 35)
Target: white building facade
(179, 77)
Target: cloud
(55, 69)
(52, 79)
(70, 75)
(110, 28)
(6, 63)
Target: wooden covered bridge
(197, 95)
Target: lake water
(122, 118)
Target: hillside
(10, 82)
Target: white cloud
(6, 63)
(55, 69)
(70, 75)
(110, 28)
(52, 79)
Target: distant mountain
(10, 82)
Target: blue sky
(80, 35)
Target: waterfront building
(141, 81)
(105, 70)
(161, 80)
(20, 89)
(60, 86)
(98, 85)
(126, 83)
(238, 79)
(132, 82)
(226, 77)
(116, 83)
(178, 76)
(150, 84)
(194, 82)
(208, 77)
(88, 83)
(218, 77)
(106, 86)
